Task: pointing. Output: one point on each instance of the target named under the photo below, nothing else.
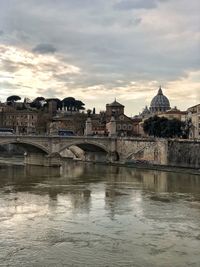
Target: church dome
(159, 103)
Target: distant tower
(52, 107)
(115, 107)
(112, 127)
(88, 127)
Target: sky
(99, 50)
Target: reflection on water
(95, 215)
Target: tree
(68, 103)
(163, 127)
(72, 104)
(39, 99)
(89, 111)
(187, 128)
(79, 105)
(13, 98)
(37, 102)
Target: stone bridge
(48, 150)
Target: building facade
(194, 117)
(124, 124)
(174, 113)
(74, 122)
(21, 121)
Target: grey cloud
(137, 4)
(12, 67)
(44, 49)
(7, 89)
(1, 32)
(108, 47)
(51, 92)
(133, 22)
(7, 86)
(9, 66)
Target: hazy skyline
(96, 50)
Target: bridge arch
(87, 151)
(89, 146)
(28, 146)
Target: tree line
(68, 103)
(166, 128)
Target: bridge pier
(95, 157)
(112, 156)
(42, 160)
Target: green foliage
(79, 105)
(162, 127)
(89, 111)
(13, 98)
(71, 104)
(40, 103)
(39, 99)
(37, 102)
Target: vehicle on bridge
(66, 133)
(6, 131)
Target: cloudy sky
(96, 50)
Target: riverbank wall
(183, 153)
(165, 152)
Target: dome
(160, 102)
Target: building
(24, 119)
(137, 129)
(194, 118)
(159, 103)
(124, 124)
(115, 108)
(74, 122)
(160, 106)
(21, 121)
(174, 113)
(99, 124)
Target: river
(96, 215)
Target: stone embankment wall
(151, 151)
(183, 153)
(177, 153)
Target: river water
(96, 215)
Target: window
(119, 127)
(124, 126)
